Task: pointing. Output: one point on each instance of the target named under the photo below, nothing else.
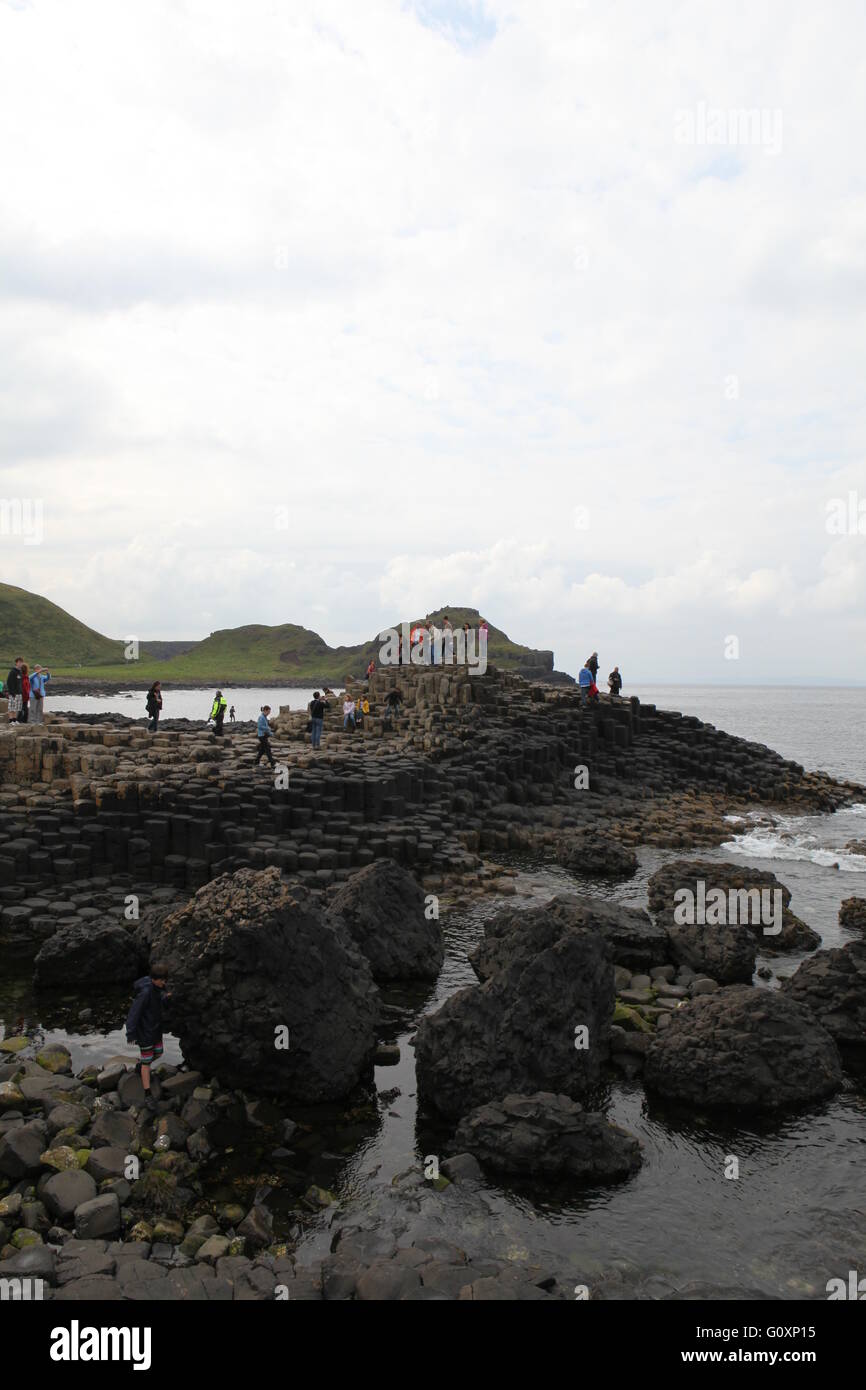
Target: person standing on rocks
(592, 664)
(218, 713)
(232, 715)
(13, 690)
(584, 681)
(37, 693)
(349, 713)
(393, 701)
(144, 1023)
(263, 734)
(614, 682)
(154, 705)
(317, 708)
(24, 712)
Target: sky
(335, 313)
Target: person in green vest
(218, 713)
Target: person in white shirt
(348, 713)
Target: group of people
(25, 693)
(586, 681)
(440, 639)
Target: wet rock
(521, 1031)
(55, 1058)
(386, 1281)
(740, 913)
(271, 963)
(91, 953)
(832, 986)
(549, 1136)
(383, 908)
(37, 1262)
(852, 914)
(596, 855)
(744, 1047)
(634, 938)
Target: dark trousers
(265, 751)
(218, 722)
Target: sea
(795, 1216)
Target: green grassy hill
(38, 630)
(44, 634)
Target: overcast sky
(335, 311)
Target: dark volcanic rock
(852, 914)
(726, 954)
(88, 953)
(636, 941)
(517, 1031)
(596, 855)
(832, 985)
(382, 907)
(546, 1135)
(743, 1047)
(733, 880)
(247, 959)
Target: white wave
(779, 843)
(858, 808)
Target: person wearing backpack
(144, 1023)
(154, 705)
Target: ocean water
(184, 704)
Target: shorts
(13, 704)
(151, 1053)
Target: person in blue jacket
(584, 680)
(144, 1023)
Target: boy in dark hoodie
(144, 1024)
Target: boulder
(548, 1136)
(832, 985)
(252, 968)
(21, 1150)
(727, 954)
(852, 914)
(518, 1031)
(596, 855)
(63, 1192)
(636, 941)
(733, 880)
(98, 1218)
(743, 1047)
(91, 953)
(382, 907)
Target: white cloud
(432, 276)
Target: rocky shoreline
(291, 905)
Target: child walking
(144, 1023)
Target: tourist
(435, 641)
(359, 713)
(365, 706)
(592, 694)
(232, 715)
(154, 705)
(24, 713)
(37, 693)
(13, 690)
(263, 734)
(144, 1024)
(349, 713)
(447, 640)
(614, 682)
(592, 664)
(584, 681)
(317, 707)
(393, 701)
(218, 713)
(371, 668)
